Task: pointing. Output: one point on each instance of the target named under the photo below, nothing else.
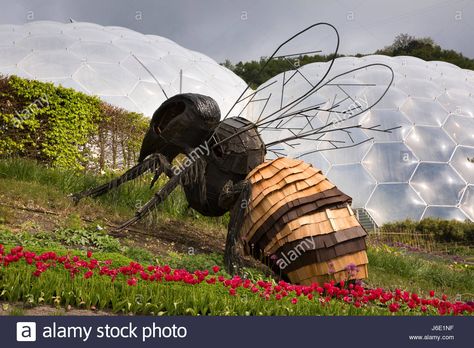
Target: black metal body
(226, 164)
(184, 124)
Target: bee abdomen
(301, 225)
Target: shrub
(65, 128)
(442, 230)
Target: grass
(46, 185)
(392, 268)
(25, 182)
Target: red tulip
(132, 281)
(394, 307)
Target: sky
(249, 29)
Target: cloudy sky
(249, 29)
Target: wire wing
(328, 117)
(313, 107)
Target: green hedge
(442, 230)
(65, 128)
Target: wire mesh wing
(314, 107)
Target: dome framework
(107, 62)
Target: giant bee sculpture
(269, 202)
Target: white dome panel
(438, 184)
(390, 162)
(467, 203)
(432, 103)
(426, 112)
(439, 150)
(346, 175)
(463, 162)
(98, 60)
(50, 65)
(394, 202)
(461, 129)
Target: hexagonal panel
(92, 34)
(438, 184)
(346, 175)
(316, 159)
(419, 88)
(148, 96)
(9, 38)
(122, 102)
(99, 52)
(140, 48)
(447, 213)
(390, 162)
(348, 155)
(46, 42)
(430, 144)
(387, 119)
(69, 83)
(162, 72)
(105, 79)
(467, 204)
(11, 55)
(393, 202)
(50, 65)
(424, 112)
(461, 129)
(458, 102)
(463, 162)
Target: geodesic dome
(423, 169)
(100, 61)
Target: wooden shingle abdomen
(301, 225)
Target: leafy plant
(442, 230)
(61, 127)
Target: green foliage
(442, 230)
(60, 126)
(139, 255)
(27, 239)
(48, 123)
(425, 48)
(192, 262)
(252, 73)
(392, 267)
(87, 238)
(80, 238)
(403, 45)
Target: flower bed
(158, 289)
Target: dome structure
(101, 61)
(423, 169)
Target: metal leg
(231, 256)
(161, 195)
(153, 162)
